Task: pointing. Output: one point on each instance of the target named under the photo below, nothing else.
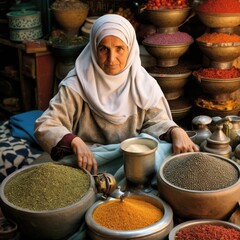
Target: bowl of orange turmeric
(221, 48)
(134, 216)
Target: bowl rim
(216, 14)
(163, 223)
(218, 45)
(28, 168)
(140, 140)
(167, 45)
(164, 75)
(205, 192)
(190, 223)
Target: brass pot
(192, 204)
(167, 55)
(167, 20)
(71, 19)
(221, 55)
(219, 20)
(171, 84)
(217, 87)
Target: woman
(107, 98)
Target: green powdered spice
(47, 186)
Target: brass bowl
(217, 87)
(171, 84)
(219, 20)
(193, 223)
(180, 108)
(167, 20)
(190, 204)
(222, 55)
(71, 19)
(167, 55)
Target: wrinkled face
(112, 55)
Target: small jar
(200, 126)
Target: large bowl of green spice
(200, 185)
(48, 200)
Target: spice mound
(219, 6)
(130, 214)
(169, 38)
(218, 38)
(200, 172)
(47, 186)
(208, 231)
(217, 73)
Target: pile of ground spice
(218, 38)
(219, 6)
(216, 73)
(168, 38)
(208, 231)
(130, 214)
(47, 186)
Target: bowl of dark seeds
(200, 185)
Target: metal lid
(202, 120)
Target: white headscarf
(113, 97)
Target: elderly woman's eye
(102, 49)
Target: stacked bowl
(24, 25)
(167, 46)
(220, 45)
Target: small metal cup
(139, 166)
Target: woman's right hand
(85, 158)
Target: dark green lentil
(200, 172)
(47, 186)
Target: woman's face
(112, 55)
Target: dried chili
(208, 232)
(218, 38)
(219, 6)
(218, 73)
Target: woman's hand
(181, 142)
(85, 157)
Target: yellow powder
(129, 214)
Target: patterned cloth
(14, 152)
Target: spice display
(129, 214)
(219, 38)
(47, 186)
(219, 6)
(167, 4)
(208, 231)
(217, 73)
(200, 172)
(179, 69)
(169, 38)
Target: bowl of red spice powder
(217, 82)
(205, 229)
(219, 14)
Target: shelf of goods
(219, 78)
(33, 73)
